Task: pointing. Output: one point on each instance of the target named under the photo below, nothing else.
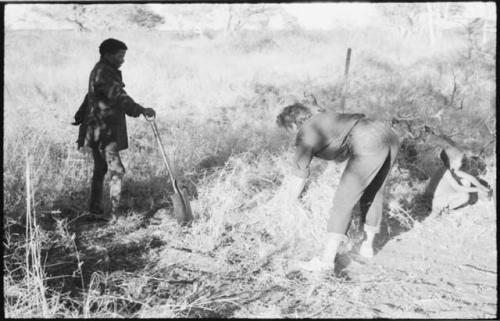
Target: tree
(229, 18)
(404, 16)
(430, 22)
(76, 17)
(192, 17)
(102, 16)
(423, 18)
(255, 16)
(146, 18)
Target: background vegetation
(216, 99)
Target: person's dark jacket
(102, 114)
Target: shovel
(182, 208)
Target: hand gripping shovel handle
(151, 120)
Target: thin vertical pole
(346, 77)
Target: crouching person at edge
(455, 185)
(102, 124)
(370, 148)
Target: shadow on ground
(81, 245)
(391, 227)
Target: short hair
(111, 46)
(293, 114)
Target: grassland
(216, 101)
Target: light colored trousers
(371, 149)
(374, 148)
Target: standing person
(370, 148)
(102, 123)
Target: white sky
(319, 15)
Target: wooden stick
(346, 76)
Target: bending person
(370, 148)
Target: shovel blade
(182, 208)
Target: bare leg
(116, 171)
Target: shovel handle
(151, 120)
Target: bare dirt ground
(445, 267)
